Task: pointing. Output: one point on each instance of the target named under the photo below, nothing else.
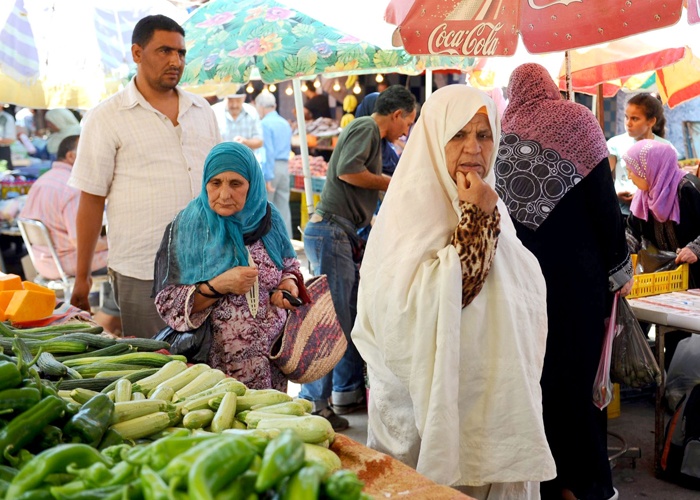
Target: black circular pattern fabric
(531, 180)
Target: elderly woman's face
(470, 149)
(227, 193)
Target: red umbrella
(491, 27)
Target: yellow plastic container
(614, 406)
(656, 283)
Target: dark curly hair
(652, 108)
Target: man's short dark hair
(67, 145)
(144, 29)
(394, 98)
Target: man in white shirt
(240, 122)
(143, 151)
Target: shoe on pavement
(338, 423)
(616, 494)
(350, 408)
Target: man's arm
(253, 143)
(89, 224)
(367, 180)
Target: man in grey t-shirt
(348, 200)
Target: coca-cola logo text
(481, 40)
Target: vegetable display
(164, 430)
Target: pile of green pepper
(33, 418)
(183, 466)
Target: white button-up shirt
(147, 168)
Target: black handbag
(193, 344)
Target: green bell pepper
(343, 485)
(283, 456)
(91, 422)
(223, 461)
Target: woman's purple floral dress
(241, 342)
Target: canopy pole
(600, 106)
(303, 146)
(428, 83)
(569, 83)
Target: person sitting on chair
(53, 202)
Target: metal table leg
(659, 417)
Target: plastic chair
(35, 233)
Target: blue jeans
(328, 249)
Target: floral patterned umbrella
(226, 39)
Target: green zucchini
(52, 346)
(82, 395)
(144, 344)
(92, 340)
(93, 369)
(48, 365)
(58, 329)
(112, 350)
(95, 384)
(132, 377)
(134, 358)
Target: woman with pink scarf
(666, 208)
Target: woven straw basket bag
(312, 341)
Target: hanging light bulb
(250, 88)
(356, 89)
(317, 83)
(379, 78)
(272, 87)
(304, 87)
(336, 86)
(288, 90)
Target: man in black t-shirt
(348, 200)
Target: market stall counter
(386, 477)
(668, 311)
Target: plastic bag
(602, 386)
(633, 363)
(193, 344)
(652, 260)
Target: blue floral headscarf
(202, 244)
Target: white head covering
(453, 392)
(67, 125)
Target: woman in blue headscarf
(227, 257)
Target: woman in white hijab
(62, 123)
(454, 383)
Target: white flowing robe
(454, 392)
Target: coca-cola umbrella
(611, 64)
(680, 82)
(486, 28)
(490, 28)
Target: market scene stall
(399, 249)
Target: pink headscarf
(656, 163)
(548, 145)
